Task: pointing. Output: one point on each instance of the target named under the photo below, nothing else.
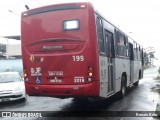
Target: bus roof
(55, 7)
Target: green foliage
(158, 77)
(158, 88)
(159, 70)
(146, 66)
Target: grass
(158, 89)
(146, 66)
(158, 77)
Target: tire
(80, 100)
(123, 87)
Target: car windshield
(6, 78)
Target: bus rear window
(71, 25)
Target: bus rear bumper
(84, 90)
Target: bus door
(109, 41)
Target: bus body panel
(106, 64)
(103, 76)
(135, 68)
(60, 57)
(121, 66)
(85, 90)
(63, 62)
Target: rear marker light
(25, 75)
(89, 79)
(90, 74)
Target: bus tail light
(25, 74)
(90, 74)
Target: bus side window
(100, 35)
(138, 52)
(122, 45)
(142, 57)
(117, 43)
(109, 44)
(126, 46)
(131, 54)
(135, 51)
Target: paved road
(141, 98)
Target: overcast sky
(140, 19)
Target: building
(10, 49)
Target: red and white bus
(70, 50)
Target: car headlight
(71, 24)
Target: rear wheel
(80, 100)
(123, 87)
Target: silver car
(11, 87)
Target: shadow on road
(95, 105)
(90, 108)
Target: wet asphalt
(143, 98)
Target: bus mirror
(26, 6)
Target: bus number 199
(78, 58)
